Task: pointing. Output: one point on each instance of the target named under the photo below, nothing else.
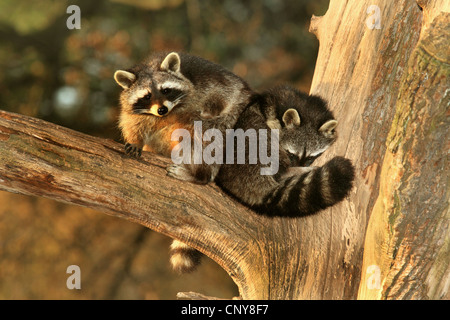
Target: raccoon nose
(306, 162)
(163, 110)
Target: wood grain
(388, 89)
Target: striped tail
(308, 193)
(183, 258)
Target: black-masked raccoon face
(158, 101)
(150, 91)
(307, 127)
(302, 141)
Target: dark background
(66, 77)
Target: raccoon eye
(166, 91)
(294, 160)
(147, 97)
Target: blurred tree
(65, 76)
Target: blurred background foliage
(65, 76)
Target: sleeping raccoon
(306, 129)
(172, 91)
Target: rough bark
(388, 88)
(377, 81)
(42, 159)
(259, 253)
(408, 234)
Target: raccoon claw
(133, 150)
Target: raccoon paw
(179, 172)
(133, 150)
(193, 174)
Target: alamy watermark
(213, 153)
(74, 280)
(74, 20)
(373, 21)
(373, 273)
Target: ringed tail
(313, 191)
(184, 259)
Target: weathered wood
(358, 70)
(361, 69)
(196, 296)
(388, 88)
(43, 159)
(407, 240)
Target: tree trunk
(387, 82)
(408, 235)
(385, 71)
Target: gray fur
(199, 91)
(307, 129)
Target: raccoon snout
(307, 161)
(163, 110)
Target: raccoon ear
(291, 118)
(124, 78)
(171, 62)
(328, 127)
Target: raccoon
(170, 91)
(306, 129)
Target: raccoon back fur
(306, 129)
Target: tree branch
(197, 296)
(42, 159)
(392, 88)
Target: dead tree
(385, 71)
